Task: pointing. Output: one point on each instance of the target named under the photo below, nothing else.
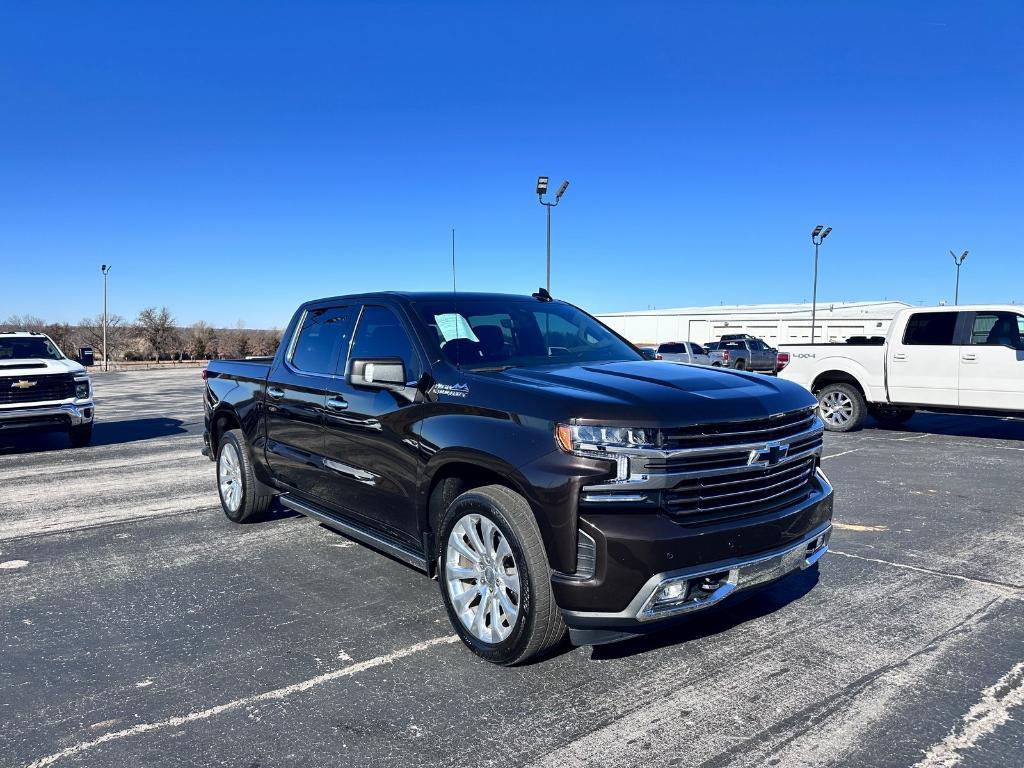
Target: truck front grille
(60, 386)
(761, 490)
(712, 472)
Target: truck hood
(39, 367)
(651, 393)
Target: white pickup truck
(43, 390)
(966, 359)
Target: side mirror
(379, 373)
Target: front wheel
(495, 579)
(842, 407)
(80, 436)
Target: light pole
(104, 268)
(542, 188)
(817, 236)
(958, 262)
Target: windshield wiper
(492, 369)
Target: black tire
(252, 504)
(716, 365)
(854, 411)
(539, 626)
(740, 365)
(891, 417)
(80, 436)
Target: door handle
(336, 404)
(899, 356)
(969, 357)
(275, 393)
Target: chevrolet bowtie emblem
(23, 384)
(768, 456)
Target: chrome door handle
(336, 404)
(899, 356)
(275, 393)
(969, 357)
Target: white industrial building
(775, 323)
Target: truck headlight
(602, 442)
(81, 389)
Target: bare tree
(23, 323)
(118, 333)
(200, 341)
(156, 327)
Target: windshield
(499, 333)
(28, 348)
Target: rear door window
(931, 329)
(323, 334)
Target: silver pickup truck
(743, 355)
(43, 390)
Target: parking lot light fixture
(105, 268)
(816, 237)
(959, 262)
(542, 188)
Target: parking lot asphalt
(139, 627)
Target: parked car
(42, 390)
(738, 337)
(683, 352)
(649, 353)
(953, 359)
(528, 457)
(743, 355)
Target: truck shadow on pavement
(949, 425)
(739, 609)
(104, 433)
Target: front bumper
(638, 556)
(51, 416)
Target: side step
(356, 531)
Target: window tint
(1003, 329)
(757, 345)
(672, 348)
(323, 334)
(381, 334)
(697, 349)
(930, 329)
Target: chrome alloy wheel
(836, 408)
(229, 475)
(482, 578)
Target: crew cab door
(297, 393)
(923, 365)
(992, 362)
(371, 452)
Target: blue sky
(233, 159)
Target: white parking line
(833, 455)
(277, 693)
(1009, 590)
(980, 720)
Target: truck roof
(966, 308)
(428, 296)
(22, 334)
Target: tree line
(153, 335)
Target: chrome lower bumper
(75, 414)
(674, 593)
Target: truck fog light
(673, 592)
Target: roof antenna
(455, 307)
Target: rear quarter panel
(866, 364)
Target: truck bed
(251, 369)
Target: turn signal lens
(563, 436)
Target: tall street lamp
(542, 189)
(817, 236)
(104, 268)
(958, 261)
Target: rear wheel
(495, 579)
(740, 365)
(842, 407)
(891, 417)
(236, 482)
